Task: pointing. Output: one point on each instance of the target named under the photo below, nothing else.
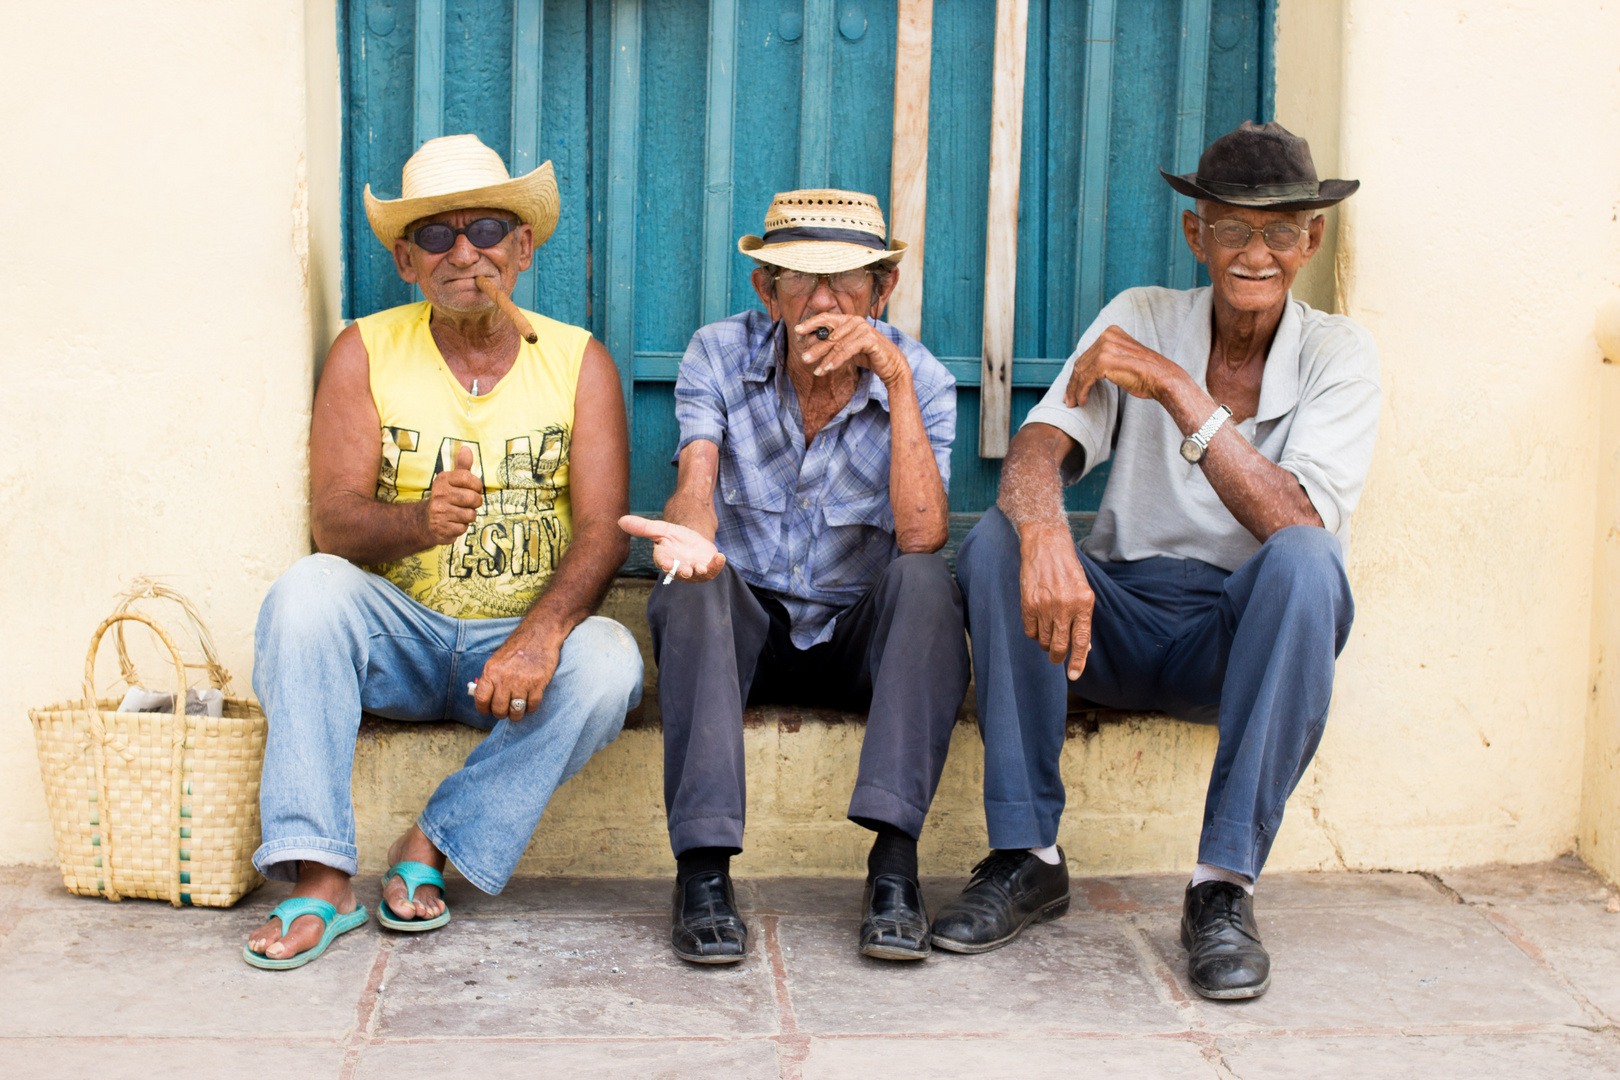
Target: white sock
(1047, 855)
(1207, 872)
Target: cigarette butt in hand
(669, 577)
(472, 688)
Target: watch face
(1191, 450)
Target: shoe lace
(998, 864)
(1223, 910)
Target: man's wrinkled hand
(688, 552)
(1123, 361)
(1055, 597)
(851, 339)
(519, 671)
(453, 500)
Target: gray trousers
(900, 654)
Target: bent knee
(1308, 558)
(311, 592)
(992, 543)
(605, 659)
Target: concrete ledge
(1135, 792)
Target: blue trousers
(334, 639)
(1252, 651)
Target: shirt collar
(1279, 382)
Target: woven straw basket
(158, 806)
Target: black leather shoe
(705, 928)
(1225, 959)
(1009, 891)
(896, 923)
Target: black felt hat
(1261, 165)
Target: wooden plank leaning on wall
(908, 182)
(1001, 227)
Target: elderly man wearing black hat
(1240, 423)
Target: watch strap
(1211, 426)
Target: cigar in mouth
(489, 288)
(822, 333)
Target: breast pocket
(858, 542)
(750, 510)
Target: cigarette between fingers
(472, 688)
(669, 577)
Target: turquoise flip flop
(414, 875)
(291, 909)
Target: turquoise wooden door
(672, 122)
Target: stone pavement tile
(553, 976)
(143, 968)
(38, 887)
(1072, 975)
(1569, 1055)
(1558, 881)
(1404, 965)
(1582, 943)
(1025, 1058)
(607, 1059)
(165, 1059)
(563, 896)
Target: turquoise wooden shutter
(671, 124)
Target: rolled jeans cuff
(279, 859)
(463, 862)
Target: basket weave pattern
(160, 806)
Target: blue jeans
(1252, 651)
(333, 639)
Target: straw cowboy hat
(1261, 165)
(823, 231)
(458, 172)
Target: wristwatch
(1195, 445)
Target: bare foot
(315, 880)
(414, 846)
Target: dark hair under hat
(1261, 165)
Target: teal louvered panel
(670, 124)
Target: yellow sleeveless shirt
(519, 431)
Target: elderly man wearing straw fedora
(799, 549)
(1240, 424)
(465, 487)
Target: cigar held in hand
(490, 288)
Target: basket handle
(98, 741)
(145, 588)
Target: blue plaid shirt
(812, 527)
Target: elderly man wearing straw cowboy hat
(465, 487)
(799, 551)
(1240, 424)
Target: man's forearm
(1031, 493)
(916, 491)
(1260, 494)
(578, 584)
(696, 514)
(366, 531)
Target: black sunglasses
(439, 238)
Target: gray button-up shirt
(1319, 399)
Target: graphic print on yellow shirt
(519, 433)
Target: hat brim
(820, 256)
(1329, 192)
(532, 197)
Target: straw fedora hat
(458, 172)
(823, 231)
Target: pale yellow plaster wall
(1476, 252)
(1600, 790)
(156, 365)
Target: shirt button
(804, 504)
